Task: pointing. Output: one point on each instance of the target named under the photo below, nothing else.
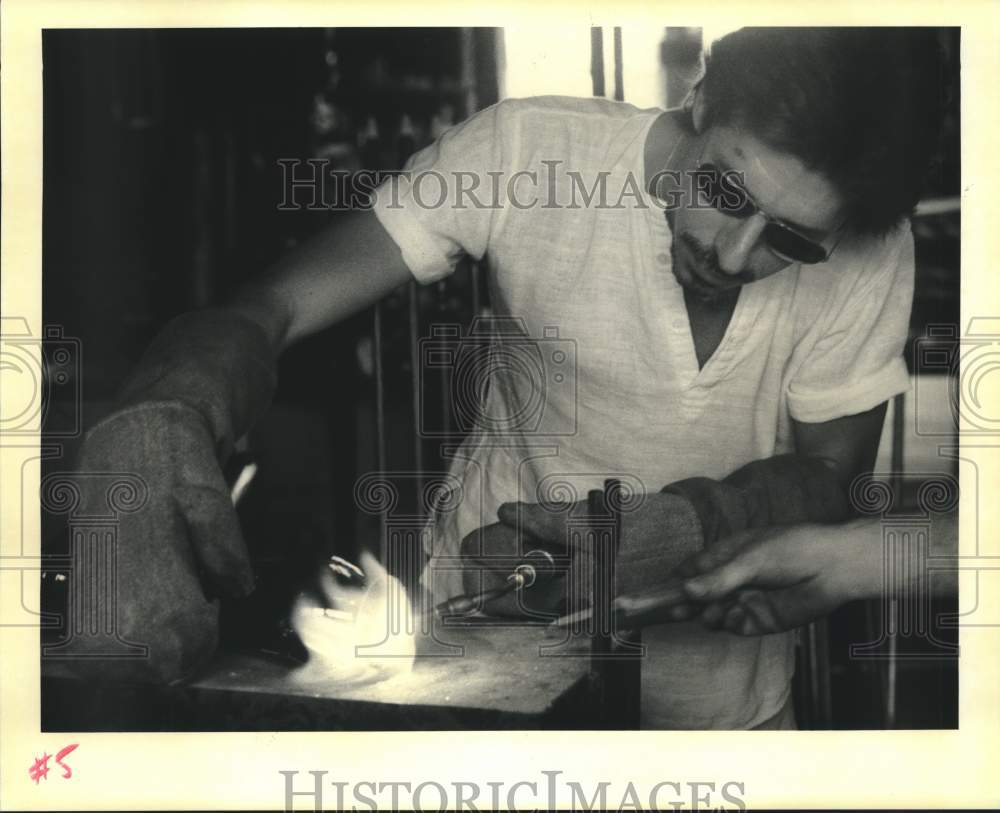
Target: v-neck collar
(695, 380)
(714, 317)
(720, 362)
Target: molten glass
(361, 630)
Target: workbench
(506, 677)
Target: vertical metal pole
(602, 591)
(898, 439)
(818, 640)
(891, 668)
(892, 607)
(600, 640)
(415, 399)
(380, 425)
(597, 59)
(614, 675)
(476, 304)
(444, 392)
(619, 79)
(467, 50)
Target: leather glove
(658, 533)
(490, 554)
(200, 385)
(663, 529)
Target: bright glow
(350, 635)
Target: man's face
(715, 252)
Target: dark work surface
(69, 705)
(499, 682)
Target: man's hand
(777, 579)
(199, 386)
(659, 531)
(490, 555)
(178, 553)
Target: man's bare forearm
(265, 308)
(348, 266)
(867, 559)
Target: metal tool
(240, 471)
(348, 571)
(615, 655)
(634, 610)
(537, 564)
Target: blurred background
(162, 187)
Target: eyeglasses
(727, 195)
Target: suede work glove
(663, 529)
(200, 385)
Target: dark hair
(861, 106)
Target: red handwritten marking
(69, 749)
(40, 770)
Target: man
(761, 314)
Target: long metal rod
(597, 59)
(380, 423)
(444, 389)
(475, 290)
(614, 675)
(892, 607)
(898, 441)
(601, 591)
(415, 394)
(467, 51)
(619, 79)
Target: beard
(694, 265)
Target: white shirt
(594, 282)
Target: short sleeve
(856, 360)
(442, 205)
